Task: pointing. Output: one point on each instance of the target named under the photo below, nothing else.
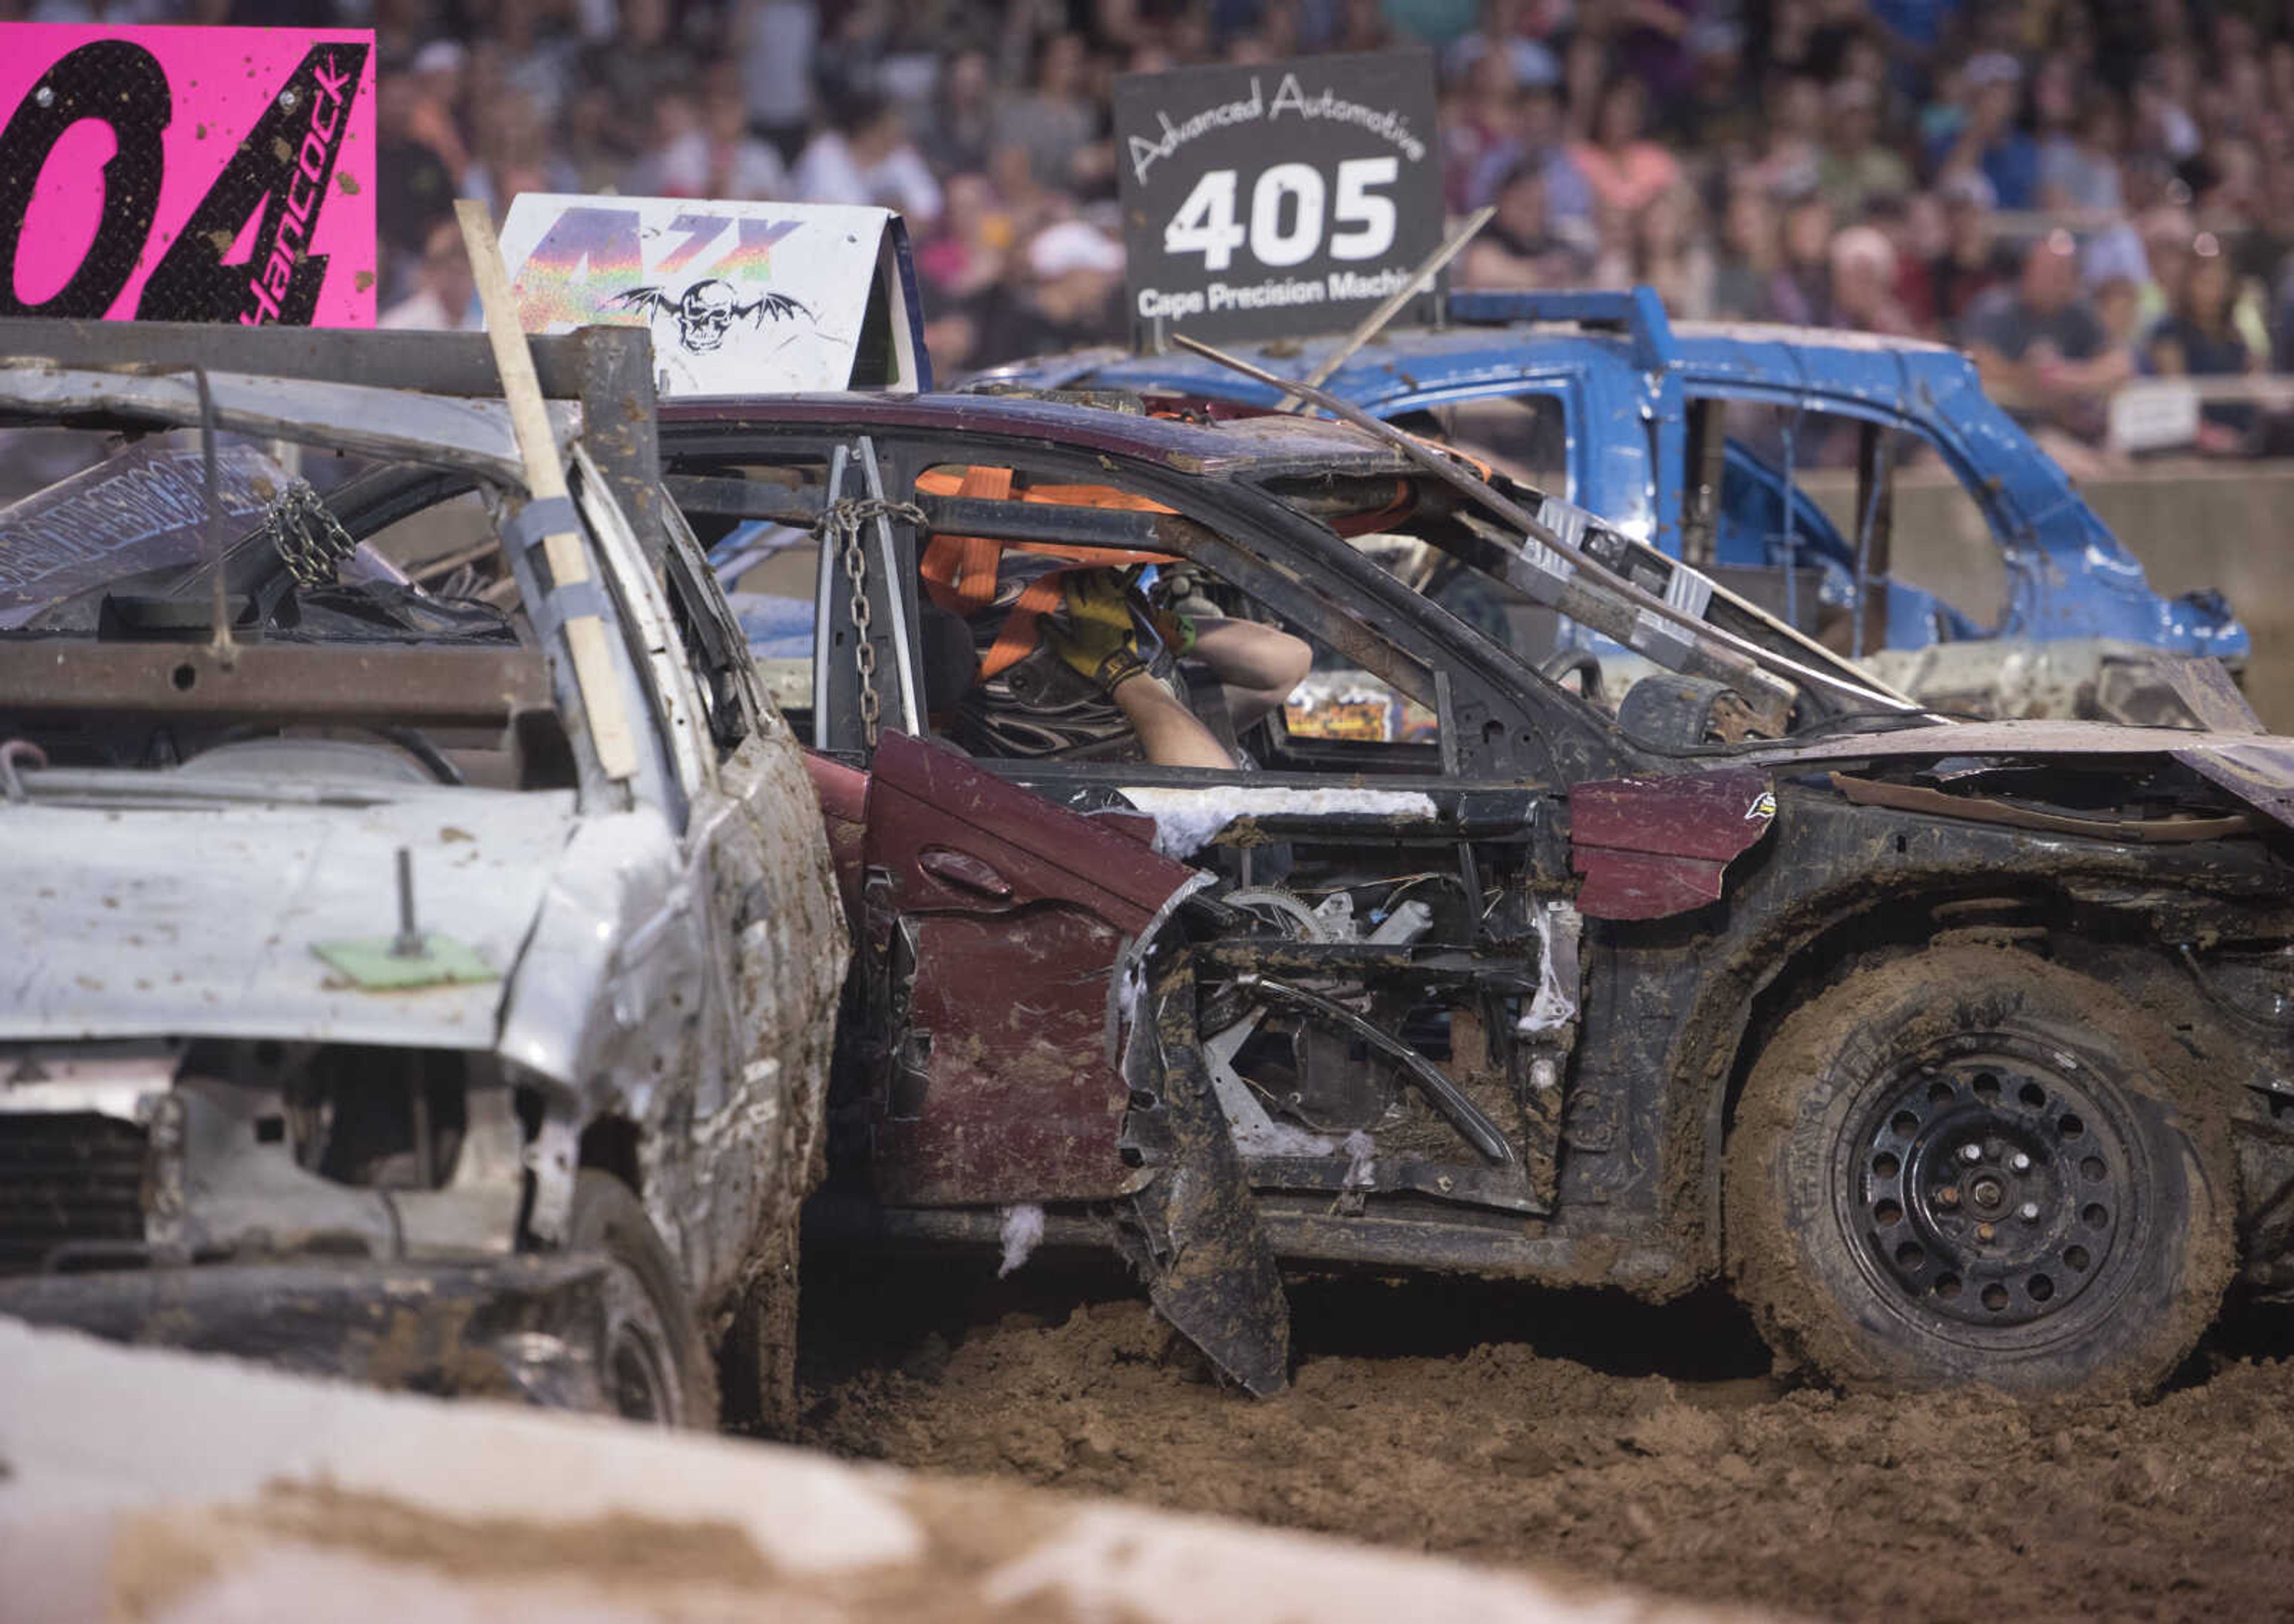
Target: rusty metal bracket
(446, 686)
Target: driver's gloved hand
(1176, 630)
(1172, 627)
(1100, 638)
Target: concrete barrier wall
(2191, 522)
(2226, 526)
(163, 1489)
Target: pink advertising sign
(188, 173)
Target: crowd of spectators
(2076, 190)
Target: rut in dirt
(1583, 1432)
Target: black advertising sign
(1275, 199)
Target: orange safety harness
(959, 571)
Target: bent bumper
(523, 1328)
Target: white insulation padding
(1188, 820)
(1555, 1006)
(1023, 1232)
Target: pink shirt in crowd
(1629, 180)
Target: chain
(839, 526)
(310, 541)
(864, 647)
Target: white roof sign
(742, 298)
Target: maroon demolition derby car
(1961, 1051)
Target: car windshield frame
(446, 681)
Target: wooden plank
(545, 478)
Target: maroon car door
(1000, 923)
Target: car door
(1360, 995)
(980, 1058)
(993, 923)
(999, 926)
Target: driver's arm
(1170, 734)
(1258, 665)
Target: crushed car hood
(197, 914)
(2257, 768)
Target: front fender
(1834, 879)
(613, 938)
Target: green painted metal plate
(369, 963)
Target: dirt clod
(1610, 1441)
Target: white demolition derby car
(422, 951)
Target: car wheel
(1973, 1165)
(652, 1365)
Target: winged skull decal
(705, 312)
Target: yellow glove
(1101, 640)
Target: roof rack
(1638, 314)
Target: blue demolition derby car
(1865, 490)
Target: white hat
(440, 56)
(2113, 254)
(1072, 245)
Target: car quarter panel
(1649, 847)
(745, 1143)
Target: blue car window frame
(1571, 387)
(2008, 527)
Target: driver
(1098, 677)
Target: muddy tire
(756, 1365)
(1971, 1166)
(652, 1364)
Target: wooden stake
(545, 477)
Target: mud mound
(1650, 1454)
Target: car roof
(444, 430)
(1258, 446)
(1490, 347)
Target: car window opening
(1799, 559)
(397, 563)
(1022, 597)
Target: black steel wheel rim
(1993, 1185)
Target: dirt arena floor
(1583, 1434)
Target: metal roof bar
(1639, 314)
